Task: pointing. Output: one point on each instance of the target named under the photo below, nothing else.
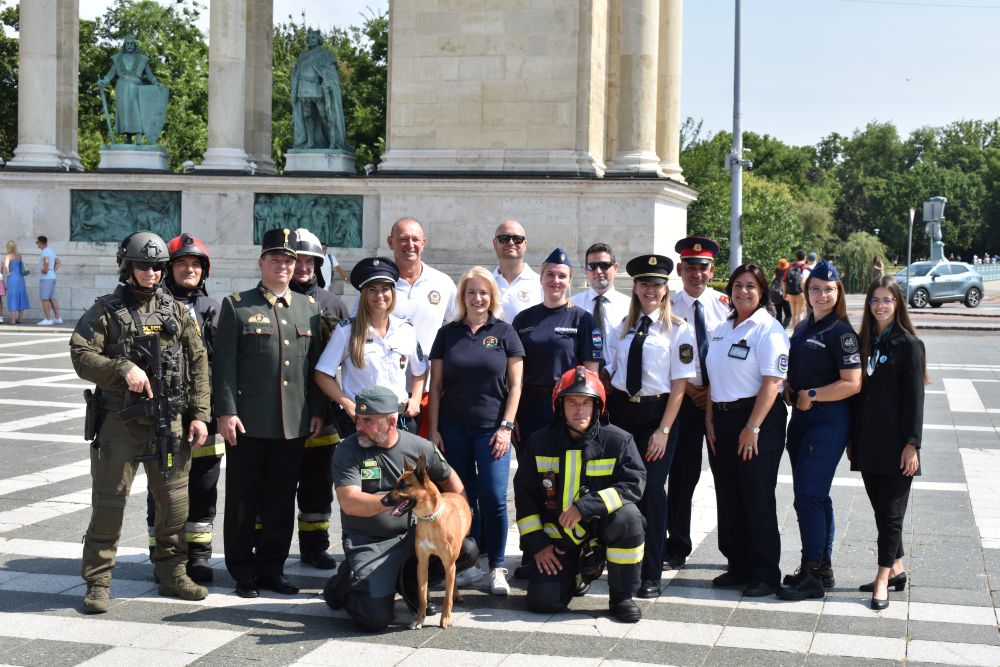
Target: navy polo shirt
(474, 386)
(556, 340)
(820, 350)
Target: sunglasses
(603, 266)
(507, 238)
(147, 266)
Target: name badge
(371, 473)
(739, 350)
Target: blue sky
(810, 67)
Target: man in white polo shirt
(520, 287)
(608, 306)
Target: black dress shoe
(759, 589)
(626, 611)
(898, 582)
(321, 560)
(247, 588)
(879, 605)
(432, 609)
(581, 588)
(278, 583)
(674, 562)
(648, 589)
(727, 579)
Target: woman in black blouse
(887, 424)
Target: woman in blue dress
(17, 293)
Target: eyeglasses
(888, 301)
(822, 290)
(603, 266)
(147, 266)
(507, 238)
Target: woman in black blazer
(887, 424)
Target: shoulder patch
(686, 352)
(724, 299)
(346, 322)
(783, 363)
(849, 342)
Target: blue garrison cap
(558, 256)
(825, 271)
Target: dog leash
(432, 517)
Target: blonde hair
(477, 273)
(635, 312)
(12, 248)
(359, 327)
(541, 272)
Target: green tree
(854, 259)
(8, 81)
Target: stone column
(67, 78)
(637, 66)
(227, 72)
(668, 102)
(38, 89)
(260, 38)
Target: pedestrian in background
(48, 264)
(878, 270)
(782, 309)
(888, 425)
(17, 292)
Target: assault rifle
(164, 407)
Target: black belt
(739, 404)
(537, 389)
(644, 399)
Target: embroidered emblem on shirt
(434, 297)
(686, 352)
(852, 358)
(490, 341)
(565, 330)
(371, 473)
(523, 295)
(849, 343)
(724, 299)
(259, 318)
(597, 339)
(402, 362)
(783, 363)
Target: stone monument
(140, 112)
(320, 139)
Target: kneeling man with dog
(378, 535)
(575, 491)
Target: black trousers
(315, 496)
(623, 530)
(260, 473)
(747, 511)
(641, 420)
(203, 483)
(685, 471)
(889, 495)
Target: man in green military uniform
(267, 343)
(104, 350)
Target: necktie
(633, 376)
(600, 315)
(702, 339)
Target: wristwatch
(507, 424)
(754, 429)
(665, 430)
(812, 394)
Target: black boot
(198, 568)
(337, 586)
(826, 573)
(807, 584)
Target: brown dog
(443, 520)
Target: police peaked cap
(374, 269)
(650, 268)
(697, 250)
(280, 240)
(825, 271)
(376, 400)
(558, 256)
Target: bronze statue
(140, 109)
(317, 106)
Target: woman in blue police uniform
(824, 371)
(476, 365)
(650, 356)
(888, 425)
(745, 429)
(557, 336)
(373, 348)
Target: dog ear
(421, 470)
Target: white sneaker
(498, 582)
(58, 320)
(45, 323)
(469, 576)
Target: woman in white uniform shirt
(745, 427)
(373, 348)
(650, 355)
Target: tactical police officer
(578, 482)
(187, 271)
(315, 494)
(140, 407)
(266, 405)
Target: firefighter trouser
(622, 533)
(113, 467)
(203, 483)
(315, 494)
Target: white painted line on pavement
(44, 477)
(37, 341)
(962, 396)
(41, 404)
(33, 357)
(43, 420)
(44, 437)
(858, 482)
(982, 474)
(969, 429)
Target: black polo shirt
(820, 350)
(556, 340)
(474, 384)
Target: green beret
(376, 400)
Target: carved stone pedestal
(316, 161)
(133, 157)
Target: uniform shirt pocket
(303, 339)
(257, 337)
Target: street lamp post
(734, 161)
(909, 255)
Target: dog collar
(432, 517)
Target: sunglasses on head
(603, 266)
(507, 238)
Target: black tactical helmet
(144, 246)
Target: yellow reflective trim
(313, 526)
(547, 464)
(611, 499)
(258, 526)
(600, 467)
(197, 538)
(578, 534)
(529, 524)
(323, 440)
(152, 540)
(215, 449)
(619, 556)
(552, 530)
(574, 464)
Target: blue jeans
(468, 452)
(816, 441)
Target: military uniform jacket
(266, 348)
(99, 328)
(554, 468)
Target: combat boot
(198, 567)
(807, 584)
(826, 573)
(96, 600)
(175, 582)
